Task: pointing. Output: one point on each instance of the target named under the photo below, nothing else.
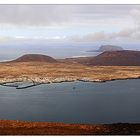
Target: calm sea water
(73, 102)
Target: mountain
(104, 48)
(115, 58)
(35, 57)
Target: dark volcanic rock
(116, 58)
(34, 57)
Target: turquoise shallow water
(73, 102)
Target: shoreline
(38, 80)
(14, 83)
(12, 127)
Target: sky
(66, 30)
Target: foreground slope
(8, 127)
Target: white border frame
(69, 2)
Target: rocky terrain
(8, 127)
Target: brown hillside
(116, 58)
(34, 57)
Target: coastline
(39, 81)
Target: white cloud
(127, 34)
(135, 13)
(20, 37)
(46, 15)
(5, 39)
(32, 15)
(56, 37)
(124, 18)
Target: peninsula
(46, 71)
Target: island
(104, 48)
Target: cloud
(127, 34)
(135, 14)
(23, 39)
(46, 15)
(124, 18)
(32, 15)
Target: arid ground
(58, 72)
(45, 128)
